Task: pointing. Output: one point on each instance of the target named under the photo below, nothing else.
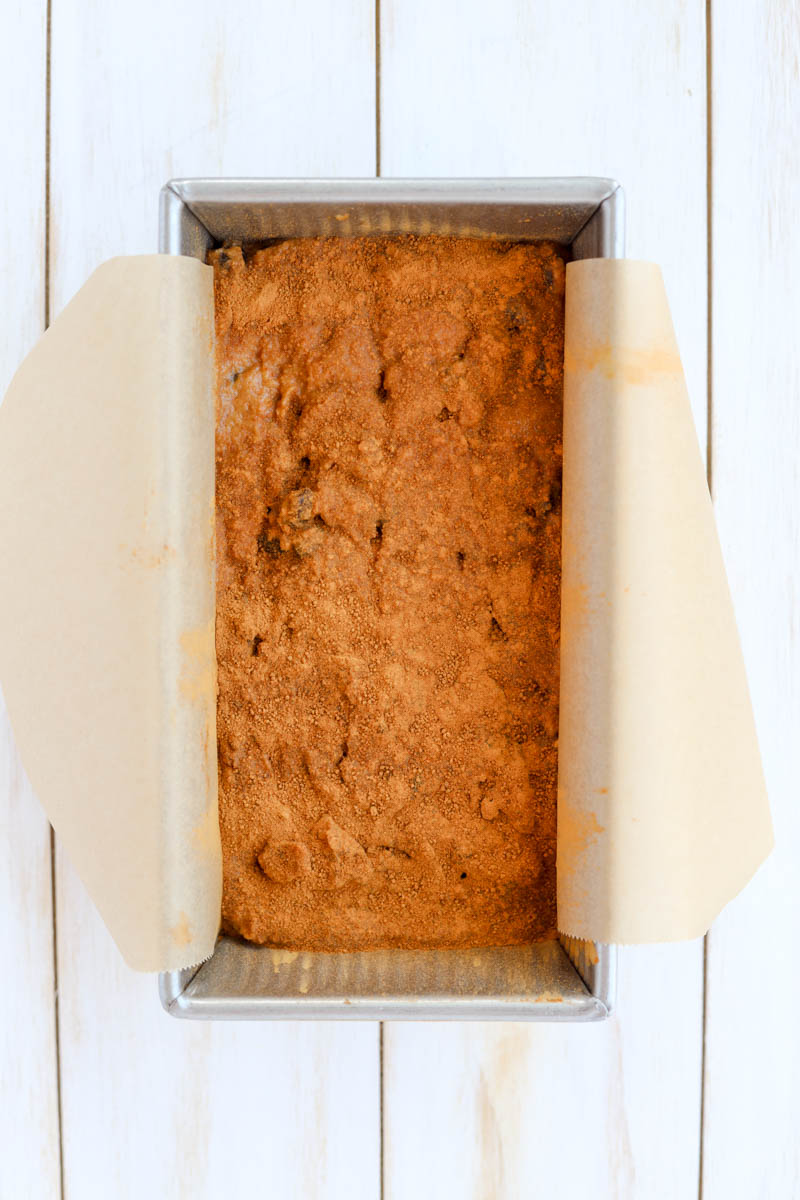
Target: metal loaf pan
(552, 981)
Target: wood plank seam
(56, 1020)
(28, 1070)
(709, 249)
(750, 1125)
(381, 1153)
(56, 1016)
(710, 478)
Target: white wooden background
(693, 1089)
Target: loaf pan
(551, 981)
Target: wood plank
(555, 89)
(141, 93)
(549, 89)
(751, 1145)
(29, 1163)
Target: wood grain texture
(29, 1137)
(494, 1111)
(565, 87)
(751, 1145)
(141, 93)
(145, 92)
(560, 89)
(208, 1109)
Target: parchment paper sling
(107, 616)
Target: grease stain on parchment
(576, 832)
(181, 931)
(198, 677)
(206, 833)
(625, 364)
(146, 556)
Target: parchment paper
(107, 616)
(107, 598)
(662, 811)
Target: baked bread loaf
(388, 557)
